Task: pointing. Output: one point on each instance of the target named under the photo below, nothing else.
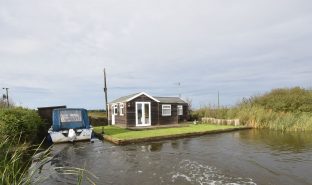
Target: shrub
(16, 121)
(286, 99)
(280, 109)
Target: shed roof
(124, 98)
(156, 98)
(169, 99)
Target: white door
(113, 119)
(113, 114)
(143, 113)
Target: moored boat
(70, 124)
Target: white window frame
(121, 109)
(165, 107)
(115, 109)
(180, 110)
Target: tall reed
(281, 109)
(21, 163)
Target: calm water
(242, 157)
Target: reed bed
(21, 163)
(281, 109)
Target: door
(114, 112)
(143, 113)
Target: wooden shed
(141, 109)
(46, 113)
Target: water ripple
(196, 173)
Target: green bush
(19, 121)
(286, 100)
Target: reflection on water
(155, 147)
(280, 141)
(242, 157)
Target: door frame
(143, 114)
(113, 114)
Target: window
(180, 110)
(71, 119)
(70, 116)
(121, 109)
(115, 109)
(166, 110)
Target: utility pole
(105, 91)
(179, 88)
(7, 95)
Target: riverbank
(287, 109)
(123, 136)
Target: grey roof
(169, 99)
(159, 98)
(124, 98)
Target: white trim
(142, 93)
(143, 114)
(121, 106)
(115, 107)
(113, 115)
(180, 107)
(162, 109)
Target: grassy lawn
(125, 134)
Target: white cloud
(237, 47)
(19, 46)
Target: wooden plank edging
(175, 136)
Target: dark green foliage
(286, 100)
(16, 121)
(18, 128)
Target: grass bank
(288, 109)
(124, 136)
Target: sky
(53, 52)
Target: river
(240, 157)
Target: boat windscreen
(71, 119)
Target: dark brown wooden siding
(156, 113)
(131, 114)
(174, 118)
(121, 119)
(46, 113)
(165, 120)
(184, 117)
(131, 110)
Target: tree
(189, 102)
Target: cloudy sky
(54, 52)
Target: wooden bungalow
(141, 109)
